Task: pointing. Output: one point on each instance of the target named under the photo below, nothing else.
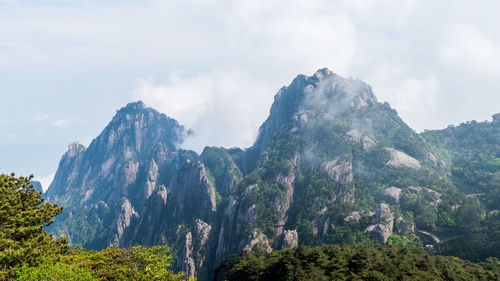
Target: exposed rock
(355, 135)
(74, 149)
(123, 218)
(193, 191)
(290, 239)
(151, 179)
(186, 256)
(338, 171)
(384, 213)
(368, 143)
(327, 226)
(349, 194)
(203, 234)
(257, 239)
(400, 159)
(496, 117)
(492, 213)
(353, 216)
(249, 189)
(379, 232)
(383, 230)
(403, 227)
(245, 218)
(475, 195)
(283, 205)
(130, 170)
(390, 195)
(413, 190)
(436, 195)
(429, 237)
(436, 161)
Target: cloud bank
(215, 64)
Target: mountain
(331, 164)
(37, 185)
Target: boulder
(390, 195)
(290, 239)
(382, 230)
(400, 159)
(403, 227)
(338, 171)
(353, 216)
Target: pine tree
(23, 215)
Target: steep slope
(331, 164)
(133, 186)
(104, 186)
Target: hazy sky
(67, 66)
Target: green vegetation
(22, 218)
(27, 252)
(360, 262)
(473, 148)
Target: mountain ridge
(331, 164)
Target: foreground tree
(23, 214)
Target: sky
(66, 66)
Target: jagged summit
(114, 158)
(496, 117)
(135, 105)
(74, 148)
(323, 95)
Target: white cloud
(223, 107)
(38, 118)
(66, 122)
(471, 48)
(183, 99)
(11, 136)
(45, 181)
(232, 56)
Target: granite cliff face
(331, 164)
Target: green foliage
(330, 262)
(23, 214)
(221, 166)
(50, 271)
(405, 241)
(137, 263)
(475, 152)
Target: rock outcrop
(399, 159)
(390, 195)
(338, 171)
(382, 230)
(290, 239)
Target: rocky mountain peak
(137, 129)
(74, 149)
(322, 95)
(496, 117)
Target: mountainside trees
(361, 262)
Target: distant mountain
(37, 185)
(331, 164)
